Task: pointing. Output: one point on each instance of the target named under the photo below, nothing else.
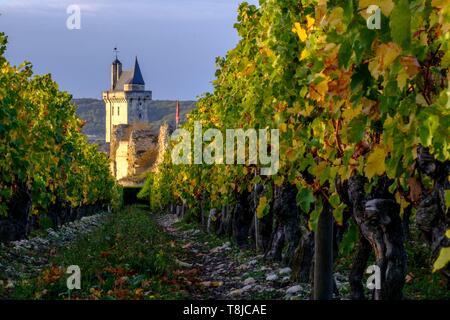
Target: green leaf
(334, 200)
(356, 129)
(345, 53)
(400, 24)
(427, 128)
(305, 198)
(338, 213)
(349, 240)
(314, 219)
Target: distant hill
(93, 112)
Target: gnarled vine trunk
(378, 219)
(287, 225)
(302, 261)
(242, 219)
(432, 216)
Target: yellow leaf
(267, 51)
(283, 127)
(375, 163)
(386, 6)
(304, 55)
(307, 111)
(402, 77)
(249, 69)
(261, 207)
(386, 54)
(300, 32)
(139, 292)
(318, 169)
(402, 202)
(279, 180)
(350, 112)
(335, 19)
(310, 21)
(97, 293)
(223, 189)
(317, 91)
(291, 155)
(440, 3)
(442, 260)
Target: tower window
(113, 110)
(118, 111)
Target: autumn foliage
(45, 160)
(348, 101)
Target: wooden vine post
(323, 264)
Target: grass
(422, 283)
(126, 258)
(130, 257)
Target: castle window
(113, 110)
(118, 111)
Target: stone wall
(121, 160)
(134, 150)
(121, 133)
(142, 151)
(163, 140)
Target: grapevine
(46, 163)
(358, 112)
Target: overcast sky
(176, 41)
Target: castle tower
(116, 71)
(127, 102)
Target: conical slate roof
(136, 77)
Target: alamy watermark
(74, 280)
(374, 281)
(73, 22)
(374, 21)
(263, 147)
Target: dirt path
(218, 270)
(207, 267)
